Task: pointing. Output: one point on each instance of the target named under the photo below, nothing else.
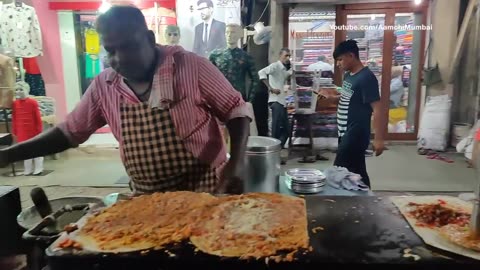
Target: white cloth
(320, 66)
(33, 166)
(20, 30)
(341, 178)
(277, 74)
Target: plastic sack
(435, 124)
(466, 144)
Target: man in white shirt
(321, 65)
(274, 77)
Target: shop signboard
(202, 23)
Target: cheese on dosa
(252, 225)
(148, 221)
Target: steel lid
(258, 144)
(305, 175)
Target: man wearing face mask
(163, 105)
(210, 33)
(274, 77)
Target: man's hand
(232, 179)
(275, 91)
(378, 147)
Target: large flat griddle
(366, 231)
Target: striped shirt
(354, 114)
(194, 90)
(342, 112)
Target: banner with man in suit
(202, 23)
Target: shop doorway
(392, 45)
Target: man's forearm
(239, 129)
(378, 124)
(51, 142)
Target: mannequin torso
(236, 65)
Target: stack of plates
(305, 181)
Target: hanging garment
(155, 157)
(92, 66)
(26, 119)
(237, 66)
(7, 81)
(36, 83)
(92, 41)
(31, 66)
(20, 30)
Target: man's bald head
(129, 43)
(122, 19)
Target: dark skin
(135, 57)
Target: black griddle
(368, 232)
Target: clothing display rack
(312, 127)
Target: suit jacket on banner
(214, 40)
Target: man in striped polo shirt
(359, 98)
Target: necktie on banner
(205, 34)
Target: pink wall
(51, 61)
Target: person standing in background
(210, 34)
(321, 65)
(396, 87)
(360, 97)
(274, 77)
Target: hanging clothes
(36, 83)
(20, 29)
(26, 119)
(31, 66)
(7, 81)
(92, 41)
(92, 65)
(33, 77)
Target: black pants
(351, 155)
(280, 124)
(260, 108)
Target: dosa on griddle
(252, 225)
(145, 222)
(450, 237)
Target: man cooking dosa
(163, 104)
